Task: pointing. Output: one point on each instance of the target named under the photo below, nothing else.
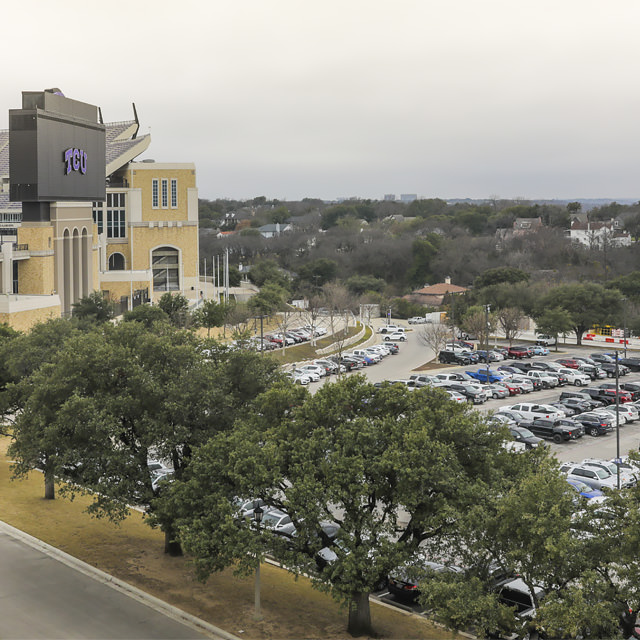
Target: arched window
(165, 269)
(116, 262)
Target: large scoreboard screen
(56, 150)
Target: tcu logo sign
(76, 160)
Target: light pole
(257, 516)
(618, 421)
(624, 325)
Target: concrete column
(6, 283)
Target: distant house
(272, 230)
(522, 226)
(433, 295)
(596, 235)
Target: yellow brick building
(137, 244)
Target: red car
(568, 362)
(518, 352)
(513, 391)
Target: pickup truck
(484, 375)
(553, 430)
(518, 352)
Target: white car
(575, 377)
(455, 396)
(313, 368)
(390, 328)
(299, 377)
(531, 411)
(627, 477)
(397, 336)
(547, 380)
(417, 320)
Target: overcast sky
(295, 98)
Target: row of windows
(160, 193)
(115, 215)
(165, 265)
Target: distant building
(390, 197)
(522, 226)
(596, 235)
(408, 197)
(273, 230)
(433, 295)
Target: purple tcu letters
(76, 160)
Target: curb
(133, 592)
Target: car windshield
(580, 486)
(602, 474)
(524, 432)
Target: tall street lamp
(257, 516)
(618, 461)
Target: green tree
(588, 304)
(359, 284)
(352, 454)
(147, 314)
(554, 322)
(279, 215)
(110, 399)
(318, 272)
(176, 306)
(210, 314)
(94, 308)
(268, 300)
(498, 275)
(527, 528)
(268, 271)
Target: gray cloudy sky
(295, 98)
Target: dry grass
(134, 553)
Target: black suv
(560, 430)
(451, 357)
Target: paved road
(41, 597)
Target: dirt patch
(133, 552)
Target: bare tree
(284, 319)
(311, 315)
(338, 301)
(434, 336)
(509, 320)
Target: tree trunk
(359, 615)
(172, 546)
(49, 484)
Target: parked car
(532, 411)
(299, 377)
(584, 489)
(417, 320)
(552, 429)
(522, 434)
(570, 363)
(497, 391)
(593, 477)
(594, 424)
(451, 357)
(403, 581)
(575, 377)
(627, 478)
(540, 351)
(519, 352)
(423, 380)
(545, 340)
(631, 387)
(631, 363)
(396, 336)
(608, 396)
(547, 381)
(487, 356)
